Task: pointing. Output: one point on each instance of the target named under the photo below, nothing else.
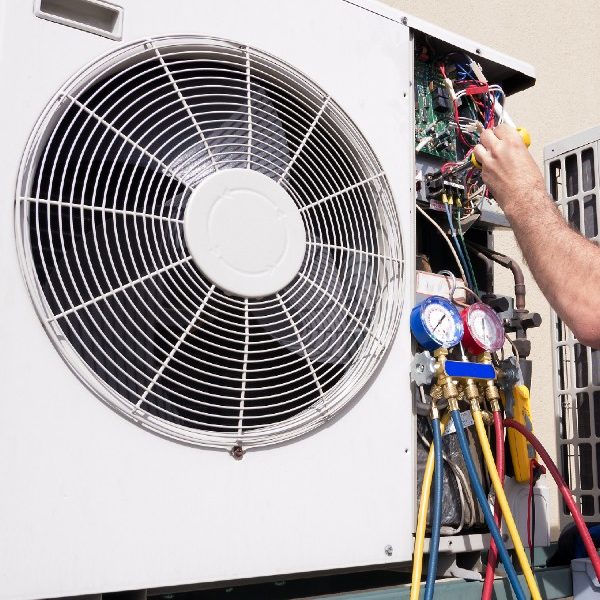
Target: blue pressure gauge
(436, 323)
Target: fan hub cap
(245, 232)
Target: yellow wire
(417, 570)
(503, 502)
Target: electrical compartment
(460, 88)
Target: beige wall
(560, 39)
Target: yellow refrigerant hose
(417, 570)
(503, 502)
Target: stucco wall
(559, 38)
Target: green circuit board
(430, 122)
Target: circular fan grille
(101, 201)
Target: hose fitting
(453, 404)
(471, 391)
(447, 385)
(450, 390)
(492, 395)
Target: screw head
(388, 550)
(237, 452)
(404, 21)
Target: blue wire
(436, 510)
(485, 507)
(465, 71)
(458, 247)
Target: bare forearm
(565, 265)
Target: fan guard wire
(100, 202)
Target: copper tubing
(508, 263)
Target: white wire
(445, 236)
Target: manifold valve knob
(422, 368)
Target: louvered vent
(104, 194)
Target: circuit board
(433, 114)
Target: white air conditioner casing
(91, 502)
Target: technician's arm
(565, 265)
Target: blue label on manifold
(469, 370)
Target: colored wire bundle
(503, 501)
(422, 518)
(487, 513)
(445, 237)
(492, 557)
(467, 267)
(436, 512)
(466, 252)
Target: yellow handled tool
(516, 400)
(520, 450)
(524, 136)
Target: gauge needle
(439, 323)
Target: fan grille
(101, 197)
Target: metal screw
(388, 550)
(237, 452)
(478, 50)
(404, 21)
(420, 368)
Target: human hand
(507, 167)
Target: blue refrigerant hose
(485, 507)
(436, 509)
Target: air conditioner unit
(572, 176)
(207, 257)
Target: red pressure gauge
(483, 329)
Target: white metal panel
(98, 504)
(471, 46)
(573, 179)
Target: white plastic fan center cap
(244, 232)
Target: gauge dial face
(484, 327)
(441, 322)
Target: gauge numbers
(483, 329)
(436, 323)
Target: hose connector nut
(492, 392)
(449, 390)
(452, 404)
(471, 391)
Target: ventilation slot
(94, 16)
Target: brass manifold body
(467, 390)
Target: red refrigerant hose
(564, 490)
(492, 557)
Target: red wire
(529, 497)
(564, 490)
(492, 557)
